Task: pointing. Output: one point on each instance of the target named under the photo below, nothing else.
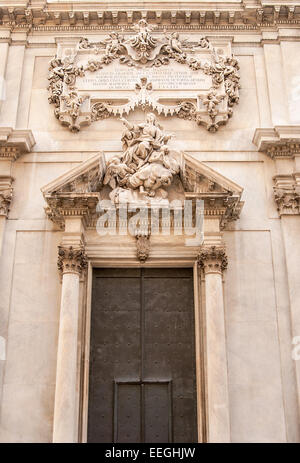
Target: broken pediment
(78, 191)
(147, 173)
(200, 179)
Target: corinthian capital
(212, 259)
(287, 201)
(287, 194)
(71, 260)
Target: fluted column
(71, 263)
(213, 261)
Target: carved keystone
(142, 245)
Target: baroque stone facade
(161, 106)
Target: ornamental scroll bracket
(143, 52)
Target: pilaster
(4, 47)
(13, 78)
(282, 144)
(276, 84)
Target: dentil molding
(40, 14)
(14, 142)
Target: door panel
(158, 415)
(169, 340)
(142, 362)
(115, 346)
(127, 419)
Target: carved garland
(144, 50)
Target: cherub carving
(117, 173)
(113, 43)
(174, 43)
(211, 101)
(143, 40)
(73, 102)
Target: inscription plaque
(119, 78)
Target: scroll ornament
(143, 51)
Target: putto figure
(146, 166)
(113, 44)
(143, 40)
(143, 46)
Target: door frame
(199, 323)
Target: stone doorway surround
(72, 206)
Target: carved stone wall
(211, 66)
(222, 80)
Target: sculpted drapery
(146, 163)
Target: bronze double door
(142, 380)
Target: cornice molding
(278, 142)
(39, 14)
(65, 205)
(14, 142)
